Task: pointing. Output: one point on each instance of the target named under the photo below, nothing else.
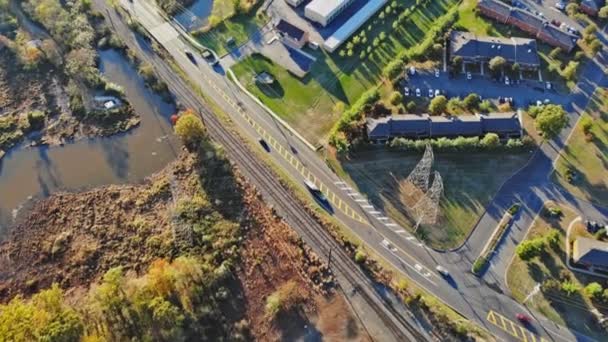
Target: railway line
(346, 270)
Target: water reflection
(128, 157)
(196, 15)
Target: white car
(406, 91)
(442, 270)
(431, 93)
(560, 5)
(436, 72)
(507, 81)
(412, 70)
(437, 92)
(418, 92)
(469, 76)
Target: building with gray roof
(473, 48)
(411, 126)
(324, 11)
(590, 253)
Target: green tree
(396, 98)
(438, 105)
(569, 287)
(551, 120)
(515, 68)
(529, 249)
(594, 290)
(471, 101)
(190, 129)
(496, 64)
(603, 13)
(570, 70)
(490, 140)
(572, 9)
(553, 239)
(167, 318)
(455, 106)
(360, 256)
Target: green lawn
(572, 311)
(470, 181)
(240, 27)
(588, 155)
(307, 103)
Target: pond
(195, 16)
(38, 172)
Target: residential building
(294, 3)
(506, 125)
(590, 253)
(324, 11)
(592, 7)
(342, 34)
(528, 22)
(291, 35)
(481, 49)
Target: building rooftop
(325, 7)
(514, 50)
(290, 30)
(352, 24)
(595, 5)
(590, 251)
(496, 6)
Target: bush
(337, 136)
(395, 98)
(514, 209)
(594, 290)
(486, 106)
(455, 106)
(553, 239)
(569, 287)
(479, 264)
(553, 212)
(190, 129)
(411, 106)
(438, 105)
(551, 120)
(490, 141)
(529, 249)
(36, 119)
(360, 256)
(471, 101)
(496, 64)
(586, 124)
(393, 69)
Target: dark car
(265, 145)
(190, 56)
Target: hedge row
(459, 144)
(353, 114)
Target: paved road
(481, 299)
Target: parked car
(406, 91)
(469, 76)
(548, 85)
(313, 45)
(556, 22)
(436, 72)
(418, 92)
(412, 71)
(437, 92)
(209, 57)
(442, 270)
(431, 93)
(507, 81)
(560, 5)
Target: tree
(190, 129)
(490, 140)
(594, 290)
(570, 70)
(529, 249)
(457, 62)
(454, 106)
(360, 256)
(396, 98)
(551, 120)
(515, 67)
(570, 287)
(553, 238)
(438, 105)
(496, 64)
(572, 9)
(410, 106)
(603, 13)
(471, 101)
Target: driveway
(524, 93)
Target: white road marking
(367, 206)
(339, 182)
(400, 231)
(391, 225)
(374, 212)
(383, 218)
(360, 200)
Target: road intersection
(482, 299)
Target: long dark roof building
(590, 252)
(471, 47)
(411, 126)
(529, 22)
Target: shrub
(514, 209)
(496, 64)
(529, 249)
(411, 106)
(553, 212)
(455, 106)
(553, 238)
(396, 98)
(36, 119)
(479, 264)
(190, 129)
(360, 256)
(486, 106)
(551, 120)
(594, 290)
(337, 136)
(586, 124)
(570, 70)
(438, 105)
(471, 101)
(569, 287)
(490, 141)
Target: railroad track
(285, 202)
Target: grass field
(240, 27)
(571, 311)
(588, 156)
(307, 103)
(470, 182)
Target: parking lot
(523, 94)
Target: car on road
(436, 72)
(190, 56)
(406, 91)
(264, 144)
(469, 76)
(209, 57)
(318, 195)
(523, 318)
(442, 270)
(418, 92)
